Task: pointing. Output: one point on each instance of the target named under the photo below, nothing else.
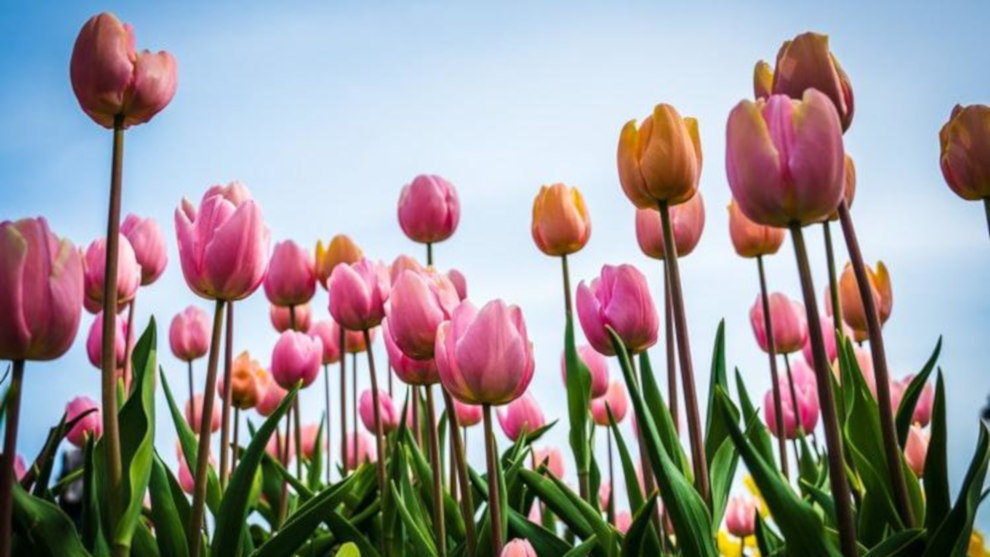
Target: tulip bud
(296, 359)
(291, 278)
(806, 62)
(522, 415)
(916, 450)
(518, 548)
(308, 442)
(553, 459)
(418, 303)
(561, 224)
(828, 334)
(459, 282)
(281, 317)
(409, 371)
(604, 495)
(923, 407)
(94, 342)
(789, 322)
(94, 270)
(403, 263)
(246, 382)
(194, 413)
(965, 151)
(328, 332)
(386, 411)
(358, 293)
(623, 520)
(751, 239)
(597, 366)
(467, 414)
(687, 222)
(619, 298)
(363, 452)
(186, 480)
(272, 396)
(660, 160)
(41, 293)
(341, 249)
(615, 397)
(853, 312)
(111, 78)
(805, 390)
(428, 209)
(762, 80)
(740, 516)
(148, 242)
(91, 425)
(282, 449)
(189, 334)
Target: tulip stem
(438, 518)
(203, 452)
(326, 389)
(460, 463)
(283, 504)
(128, 349)
(417, 431)
(108, 368)
(237, 431)
(889, 433)
(774, 377)
(297, 422)
(833, 285)
(567, 286)
(798, 425)
(494, 498)
(833, 437)
(429, 254)
(698, 457)
(228, 359)
(354, 406)
(9, 456)
(342, 338)
(584, 481)
(379, 434)
(671, 354)
(190, 370)
(610, 508)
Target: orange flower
(341, 249)
(661, 159)
(561, 224)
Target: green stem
(228, 360)
(771, 352)
(459, 461)
(494, 498)
(342, 337)
(326, 388)
(379, 434)
(9, 455)
(671, 352)
(610, 509)
(128, 341)
(438, 518)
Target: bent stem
(698, 458)
(671, 354)
(460, 463)
(494, 498)
(771, 352)
(833, 437)
(9, 455)
(379, 435)
(438, 523)
(891, 447)
(203, 452)
(228, 359)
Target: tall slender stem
(237, 431)
(379, 433)
(297, 422)
(671, 352)
(203, 452)
(610, 511)
(888, 432)
(354, 406)
(494, 498)
(567, 285)
(283, 503)
(429, 254)
(792, 392)
(9, 455)
(342, 337)
(833, 437)
(833, 285)
(128, 346)
(326, 388)
(460, 462)
(417, 431)
(438, 518)
(228, 362)
(108, 368)
(772, 354)
(684, 351)
(192, 389)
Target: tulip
(923, 408)
(281, 317)
(409, 371)
(365, 451)
(41, 291)
(128, 274)
(597, 366)
(831, 349)
(389, 414)
(358, 293)
(807, 402)
(522, 415)
(189, 334)
(740, 516)
(460, 283)
(296, 359)
(687, 221)
(341, 249)
(291, 278)
(805, 62)
(271, 398)
(762, 80)
(277, 449)
(309, 434)
(20, 469)
(428, 209)
(604, 495)
(848, 185)
(186, 480)
(467, 414)
(616, 399)
(561, 224)
(864, 360)
(194, 412)
(553, 459)
(94, 342)
(916, 450)
(110, 78)
(785, 160)
(660, 160)
(485, 357)
(787, 317)
(751, 239)
(518, 548)
(148, 242)
(223, 245)
(853, 312)
(403, 263)
(247, 379)
(619, 298)
(90, 425)
(623, 521)
(354, 341)
(965, 151)
(418, 303)
(328, 332)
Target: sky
(325, 112)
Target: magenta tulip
(522, 415)
(428, 209)
(615, 396)
(787, 317)
(281, 317)
(194, 415)
(328, 332)
(687, 221)
(148, 242)
(418, 303)
(291, 278)
(518, 548)
(358, 293)
(389, 414)
(94, 270)
(90, 425)
(94, 342)
(805, 390)
(467, 414)
(189, 334)
(740, 516)
(409, 371)
(459, 282)
(597, 366)
(296, 359)
(619, 298)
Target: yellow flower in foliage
(976, 546)
(728, 545)
(755, 491)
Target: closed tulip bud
(111, 78)
(687, 223)
(805, 62)
(848, 186)
(762, 80)
(751, 239)
(341, 249)
(805, 389)
(853, 312)
(296, 359)
(418, 303)
(428, 209)
(522, 415)
(619, 298)
(94, 342)
(965, 151)
(552, 458)
(223, 245)
(459, 282)
(467, 414)
(194, 413)
(916, 450)
(90, 425)
(148, 242)
(740, 516)
(485, 357)
(828, 335)
(363, 452)
(94, 271)
(403, 263)
(358, 293)
(186, 480)
(785, 160)
(408, 370)
(387, 411)
(246, 382)
(789, 322)
(597, 366)
(189, 334)
(272, 397)
(623, 520)
(41, 291)
(291, 278)
(615, 398)
(281, 317)
(661, 159)
(518, 548)
(328, 332)
(308, 442)
(561, 224)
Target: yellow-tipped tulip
(852, 305)
(561, 224)
(341, 249)
(762, 80)
(661, 159)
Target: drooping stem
(237, 431)
(459, 461)
(203, 452)
(771, 353)
(9, 455)
(610, 511)
(342, 337)
(494, 498)
(892, 448)
(671, 352)
(326, 388)
(128, 341)
(192, 389)
(228, 362)
(684, 352)
(438, 518)
(833, 438)
(379, 433)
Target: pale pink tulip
(806, 393)
(271, 398)
(91, 425)
(365, 451)
(358, 293)
(459, 282)
(308, 442)
(387, 411)
(522, 415)
(916, 450)
(328, 332)
(619, 298)
(597, 366)
(518, 548)
(552, 457)
(148, 242)
(281, 317)
(788, 319)
(94, 342)
(408, 370)
(615, 396)
(94, 270)
(194, 410)
(418, 303)
(403, 263)
(687, 221)
(291, 278)
(467, 414)
(189, 334)
(740, 516)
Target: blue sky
(325, 112)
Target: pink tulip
(615, 396)
(276, 448)
(91, 425)
(522, 415)
(751, 239)
(41, 291)
(965, 151)
(787, 317)
(189, 334)
(280, 316)
(409, 371)
(94, 269)
(308, 441)
(271, 397)
(806, 62)
(485, 357)
(296, 359)
(148, 242)
(20, 469)
(291, 278)
(94, 342)
(518, 548)
(387, 411)
(687, 221)
(111, 78)
(806, 393)
(328, 332)
(619, 298)
(186, 480)
(623, 520)
(358, 293)
(828, 333)
(428, 209)
(864, 359)
(923, 409)
(194, 413)
(552, 457)
(467, 414)
(459, 282)
(785, 160)
(597, 365)
(740, 516)
(403, 263)
(223, 245)
(916, 450)
(365, 451)
(604, 494)
(418, 303)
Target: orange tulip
(751, 239)
(965, 158)
(852, 305)
(661, 159)
(561, 224)
(341, 249)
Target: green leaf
(43, 527)
(602, 530)
(583, 549)
(41, 469)
(658, 408)
(170, 531)
(578, 380)
(767, 541)
(628, 468)
(315, 464)
(716, 430)
(722, 472)
(420, 540)
(936, 462)
(348, 550)
(91, 528)
(635, 536)
(301, 525)
(346, 532)
(902, 544)
(543, 541)
(758, 434)
(553, 497)
(905, 410)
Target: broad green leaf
(715, 429)
(909, 400)
(190, 447)
(301, 525)
(936, 463)
(170, 533)
(43, 527)
(578, 380)
(658, 408)
(722, 472)
(602, 530)
(585, 548)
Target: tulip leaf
(169, 522)
(544, 541)
(553, 497)
(716, 431)
(758, 434)
(578, 380)
(722, 472)
(347, 532)
(633, 492)
(421, 541)
(634, 541)
(658, 408)
(901, 544)
(424, 473)
(909, 400)
(43, 527)
(315, 466)
(767, 541)
(936, 462)
(40, 472)
(301, 525)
